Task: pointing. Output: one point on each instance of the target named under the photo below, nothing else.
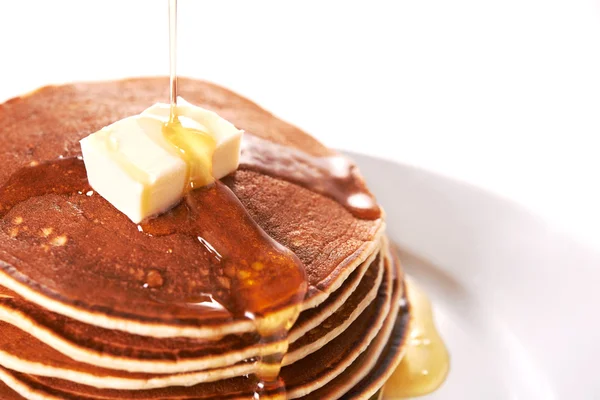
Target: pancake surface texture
(93, 306)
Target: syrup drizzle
(194, 146)
(173, 55)
(426, 362)
(265, 280)
(333, 176)
(253, 276)
(248, 273)
(252, 271)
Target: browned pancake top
(80, 250)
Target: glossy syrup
(194, 146)
(333, 176)
(426, 361)
(173, 54)
(253, 276)
(265, 281)
(256, 278)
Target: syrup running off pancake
(256, 277)
(268, 279)
(426, 361)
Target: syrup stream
(195, 146)
(173, 55)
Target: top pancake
(97, 274)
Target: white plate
(515, 300)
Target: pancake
(58, 248)
(313, 317)
(385, 365)
(117, 350)
(350, 386)
(373, 326)
(371, 347)
(338, 322)
(31, 387)
(283, 263)
(22, 352)
(7, 393)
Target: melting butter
(196, 147)
(139, 175)
(426, 361)
(145, 163)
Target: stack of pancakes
(92, 307)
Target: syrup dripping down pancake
(118, 350)
(374, 326)
(20, 351)
(73, 269)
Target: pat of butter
(226, 156)
(143, 169)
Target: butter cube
(133, 165)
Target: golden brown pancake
(96, 307)
(338, 322)
(301, 378)
(313, 317)
(384, 366)
(22, 352)
(118, 350)
(374, 371)
(7, 393)
(98, 275)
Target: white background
(503, 94)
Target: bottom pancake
(301, 378)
